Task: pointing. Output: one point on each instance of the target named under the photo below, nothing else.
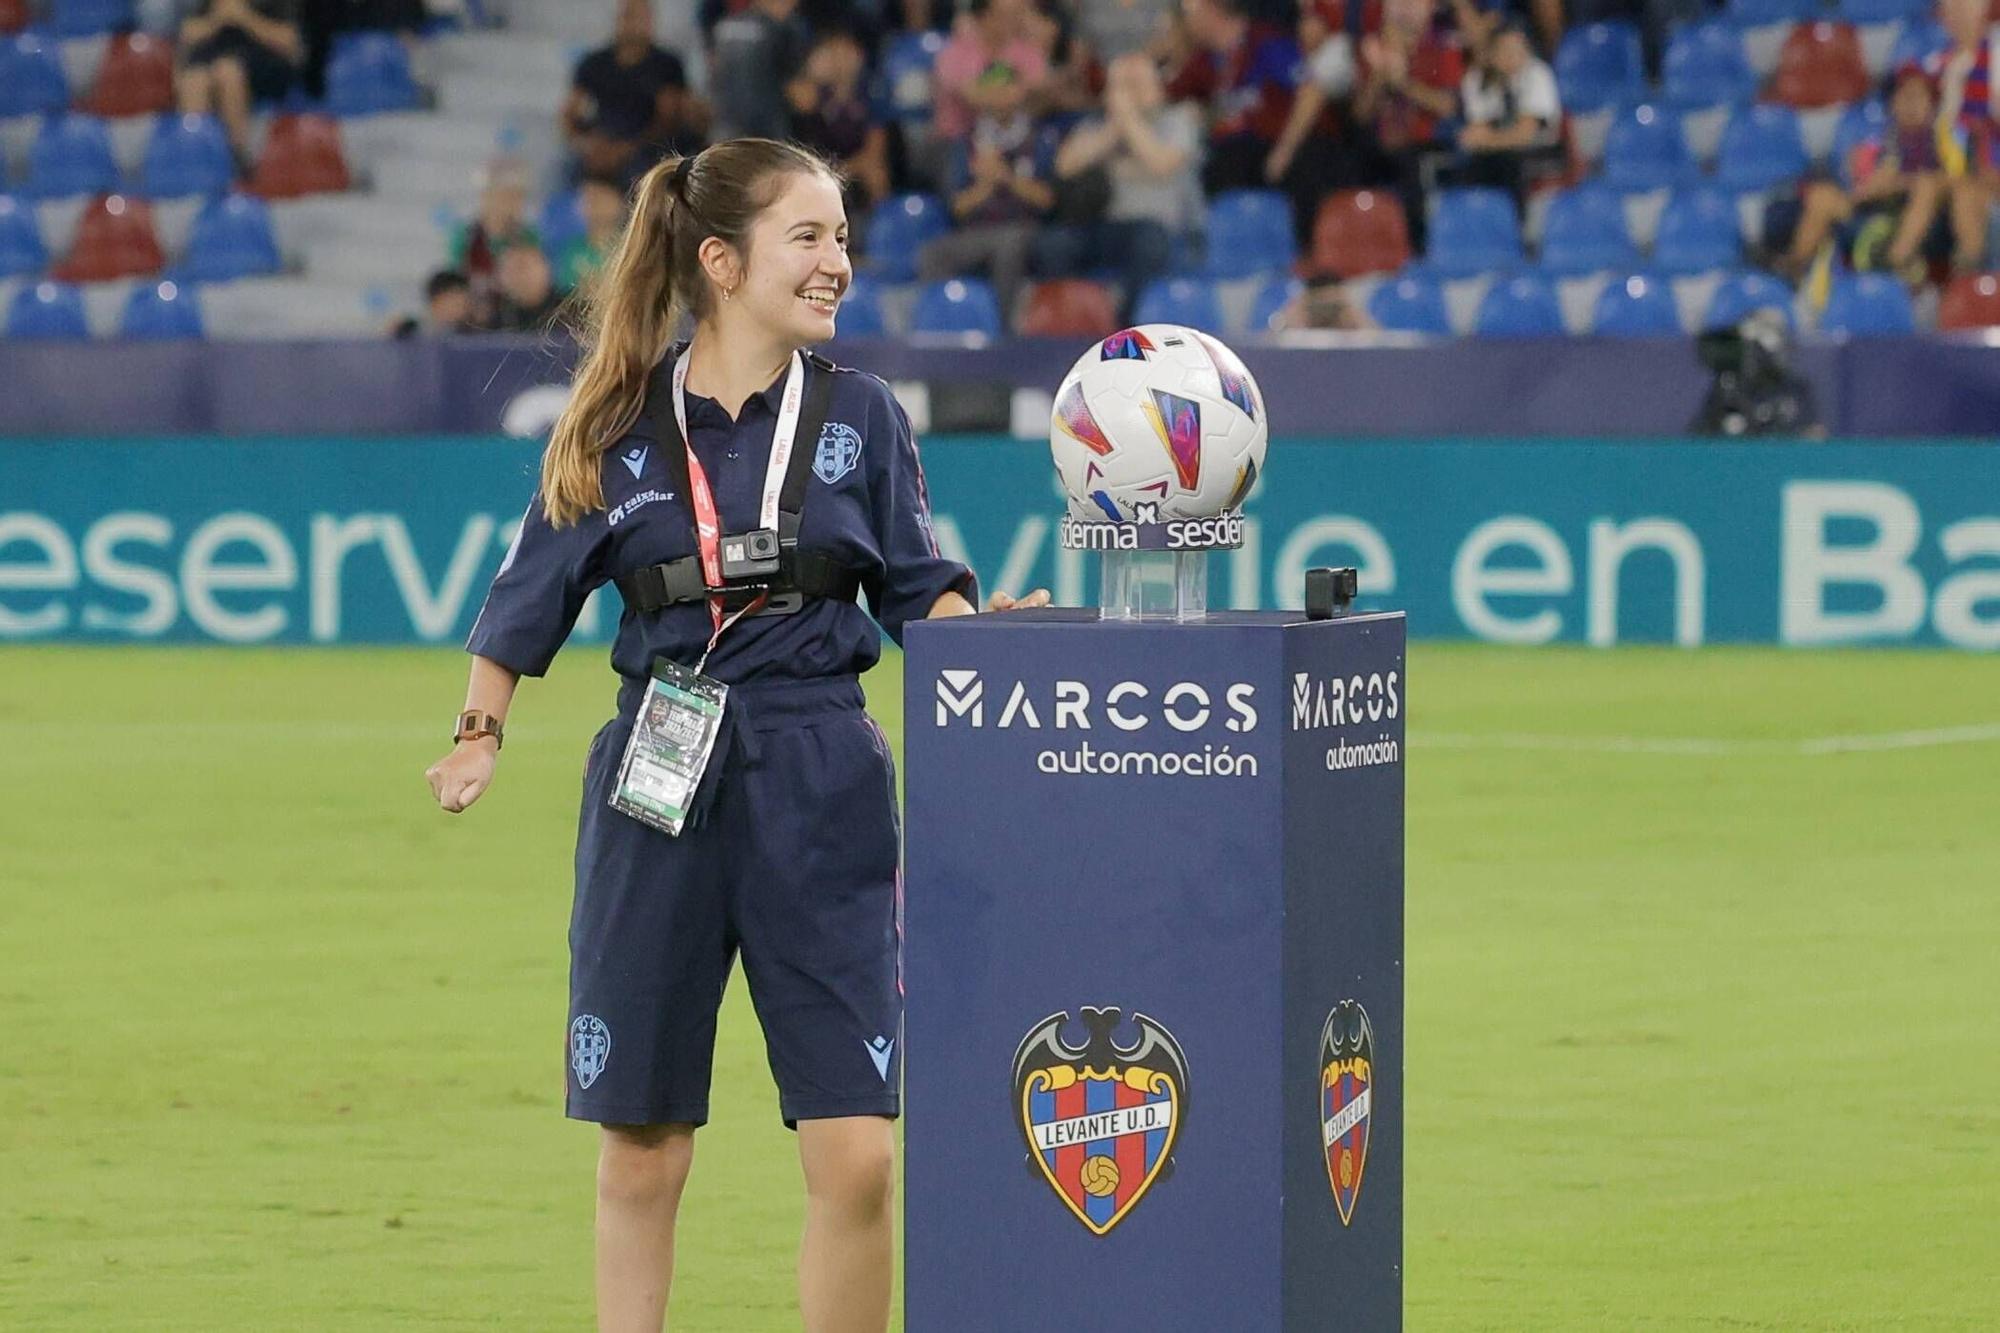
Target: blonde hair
(652, 278)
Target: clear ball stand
(1153, 585)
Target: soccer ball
(1099, 1176)
(1157, 423)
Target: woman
(790, 848)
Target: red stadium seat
(114, 239)
(1356, 232)
(1971, 302)
(302, 155)
(13, 15)
(1068, 308)
(1820, 65)
(136, 78)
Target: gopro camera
(750, 557)
(1330, 592)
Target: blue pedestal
(1154, 936)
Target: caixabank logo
(1356, 706)
(1182, 728)
(1101, 1120)
(1347, 1091)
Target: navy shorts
(792, 862)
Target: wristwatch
(474, 725)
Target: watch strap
(474, 725)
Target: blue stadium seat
(1473, 230)
(21, 248)
(1869, 304)
(187, 155)
(1858, 124)
(1584, 232)
(369, 72)
(1272, 297)
(71, 156)
(898, 228)
(1249, 234)
(1600, 65)
(1762, 146)
(560, 222)
(1861, 12)
(1763, 13)
(1705, 66)
(87, 18)
(1645, 149)
(1190, 301)
(232, 238)
(158, 311)
(1920, 37)
(31, 78)
(906, 73)
(49, 310)
(1523, 305)
(959, 305)
(1410, 303)
(1699, 231)
(860, 313)
(1742, 294)
(1636, 307)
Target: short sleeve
(914, 574)
(536, 597)
(1331, 65)
(1539, 99)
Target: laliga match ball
(1100, 1176)
(1155, 424)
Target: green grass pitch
(1700, 1036)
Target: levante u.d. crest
(1100, 1120)
(1346, 1098)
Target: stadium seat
(21, 248)
(1645, 150)
(1764, 13)
(1472, 231)
(1705, 66)
(1521, 306)
(1068, 308)
(1972, 301)
(1584, 232)
(1249, 234)
(959, 305)
(1357, 232)
(161, 310)
(1636, 307)
(1699, 231)
(13, 15)
(136, 77)
(1762, 146)
(1190, 301)
(114, 239)
(560, 222)
(31, 78)
(47, 310)
(1743, 294)
(860, 313)
(898, 227)
(87, 18)
(1600, 65)
(1868, 304)
(187, 155)
(1272, 297)
(369, 72)
(71, 156)
(1820, 65)
(231, 238)
(907, 61)
(1861, 12)
(1410, 304)
(1858, 124)
(1919, 39)
(302, 155)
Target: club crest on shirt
(839, 450)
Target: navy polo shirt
(865, 506)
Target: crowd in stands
(1059, 167)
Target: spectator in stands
(527, 297)
(502, 224)
(831, 116)
(1311, 156)
(629, 103)
(1911, 194)
(992, 66)
(1245, 73)
(1112, 28)
(601, 200)
(1512, 115)
(1127, 183)
(447, 308)
(234, 55)
(1407, 91)
(1963, 75)
(999, 191)
(755, 50)
(1323, 305)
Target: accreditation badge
(672, 740)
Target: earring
(728, 292)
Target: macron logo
(958, 695)
(634, 461)
(879, 1050)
